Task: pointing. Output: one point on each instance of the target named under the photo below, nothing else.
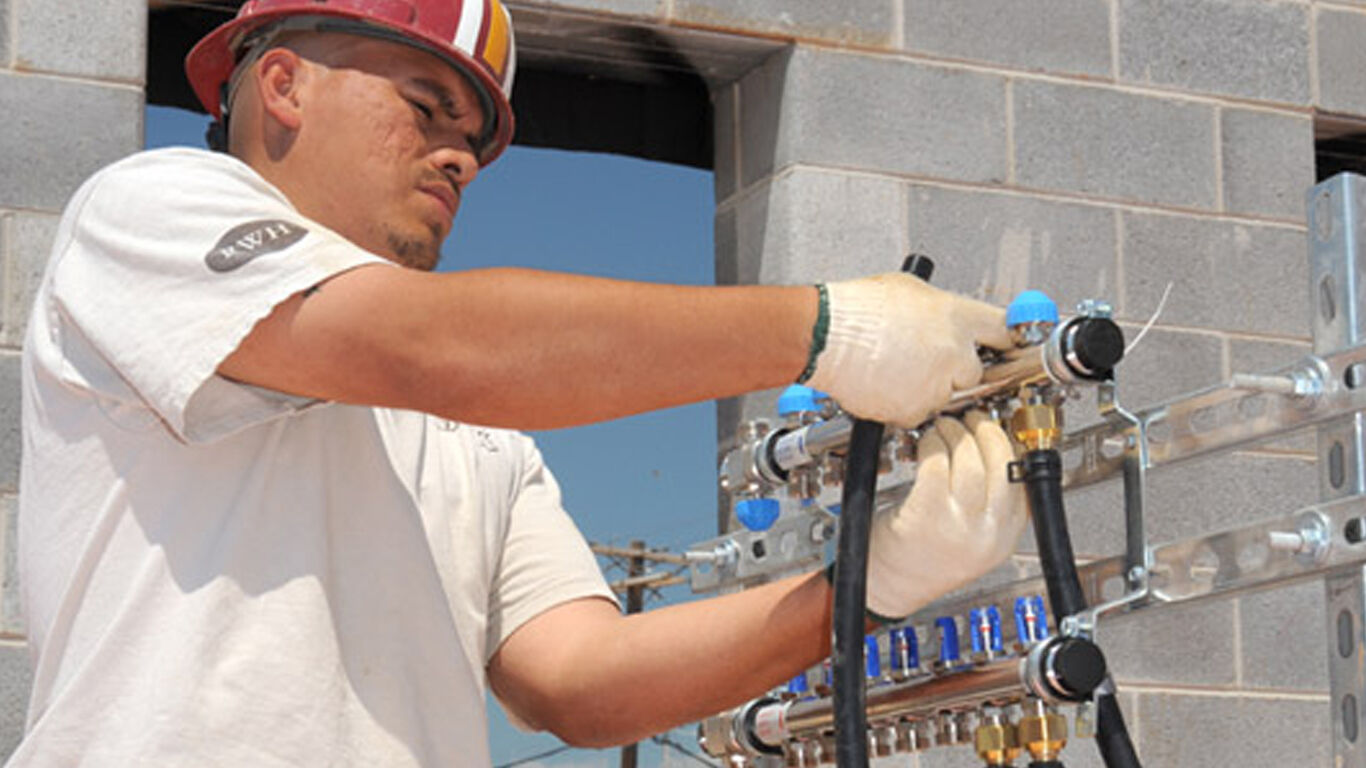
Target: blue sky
(650, 477)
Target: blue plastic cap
(1031, 307)
(1031, 623)
(948, 639)
(872, 657)
(905, 649)
(798, 684)
(757, 514)
(799, 399)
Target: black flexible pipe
(1042, 475)
(851, 577)
(1043, 486)
(1112, 737)
(851, 593)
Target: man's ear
(280, 75)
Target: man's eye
(422, 109)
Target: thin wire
(1160, 305)
(665, 741)
(529, 758)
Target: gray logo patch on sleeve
(245, 242)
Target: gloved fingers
(931, 489)
(997, 454)
(984, 323)
(966, 473)
(966, 369)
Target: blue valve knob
(1031, 307)
(798, 684)
(799, 399)
(1031, 622)
(872, 657)
(948, 640)
(905, 650)
(986, 629)
(757, 514)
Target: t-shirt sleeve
(545, 560)
(163, 265)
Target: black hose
(1043, 486)
(1112, 737)
(851, 576)
(1042, 475)
(851, 593)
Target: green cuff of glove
(819, 332)
(873, 616)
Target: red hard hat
(473, 36)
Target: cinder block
(16, 680)
(1117, 145)
(11, 610)
(726, 171)
(1251, 356)
(1268, 162)
(1176, 730)
(1341, 60)
(4, 33)
(823, 226)
(1182, 644)
(1253, 50)
(1191, 499)
(9, 421)
(33, 236)
(760, 114)
(1284, 637)
(874, 113)
(60, 132)
(1166, 364)
(1227, 275)
(92, 38)
(997, 245)
(1066, 36)
(867, 22)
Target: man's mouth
(444, 193)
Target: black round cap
(1098, 344)
(1078, 666)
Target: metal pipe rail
(1280, 550)
(1055, 671)
(1276, 551)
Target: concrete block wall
(71, 77)
(1091, 148)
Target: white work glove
(896, 347)
(962, 518)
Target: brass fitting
(997, 741)
(1043, 732)
(1037, 423)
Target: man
(258, 523)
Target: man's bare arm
(525, 349)
(596, 678)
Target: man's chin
(416, 253)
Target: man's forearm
(624, 678)
(526, 349)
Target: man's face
(390, 135)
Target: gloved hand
(896, 347)
(962, 518)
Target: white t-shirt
(216, 574)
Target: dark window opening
(1339, 146)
